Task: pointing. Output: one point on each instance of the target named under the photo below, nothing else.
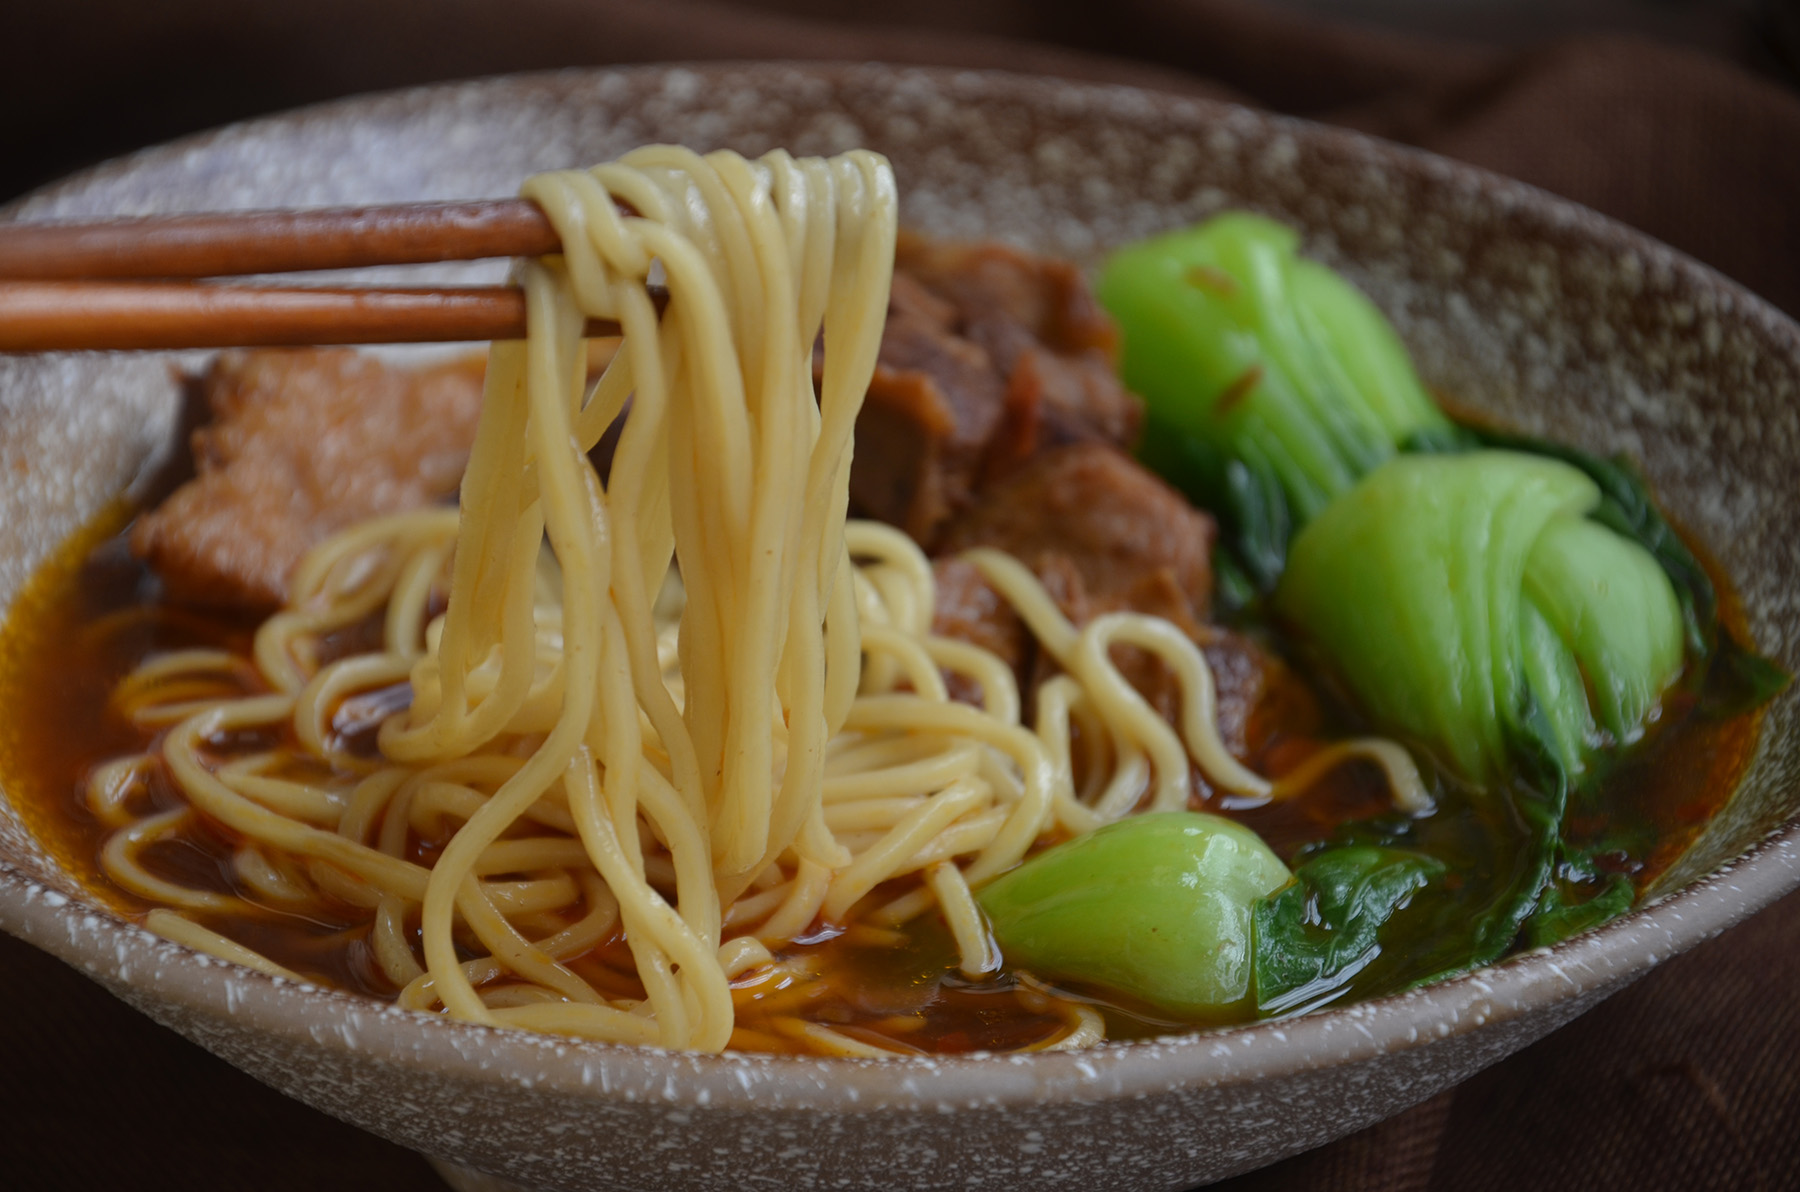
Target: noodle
(709, 767)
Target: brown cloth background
(1688, 1080)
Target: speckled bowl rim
(336, 1024)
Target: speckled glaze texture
(1526, 308)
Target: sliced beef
(989, 356)
(301, 444)
(1241, 669)
(1244, 676)
(1120, 527)
(934, 402)
(1102, 535)
(969, 609)
(1038, 314)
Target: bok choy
(1519, 610)
(1466, 600)
(1271, 384)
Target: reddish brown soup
(92, 613)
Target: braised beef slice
(1102, 535)
(1118, 525)
(989, 355)
(968, 609)
(932, 405)
(1244, 675)
(1036, 312)
(302, 444)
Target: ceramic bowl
(1531, 310)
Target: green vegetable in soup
(1318, 932)
(1518, 608)
(1469, 602)
(1157, 907)
(1271, 383)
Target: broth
(92, 613)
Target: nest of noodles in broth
(698, 705)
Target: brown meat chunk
(302, 444)
(988, 356)
(1244, 675)
(932, 405)
(1025, 310)
(1239, 666)
(1116, 523)
(968, 609)
(1010, 295)
(1102, 535)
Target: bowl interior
(1523, 308)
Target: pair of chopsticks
(71, 287)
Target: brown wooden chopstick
(49, 316)
(72, 287)
(234, 243)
